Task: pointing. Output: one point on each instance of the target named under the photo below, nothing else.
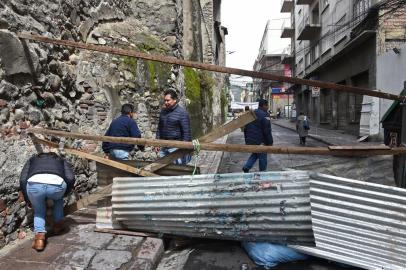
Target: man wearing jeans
(256, 133)
(122, 126)
(46, 176)
(174, 124)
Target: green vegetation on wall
(199, 92)
(131, 62)
(224, 104)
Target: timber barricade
(335, 151)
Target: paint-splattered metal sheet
(358, 223)
(267, 206)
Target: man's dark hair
(262, 103)
(127, 108)
(172, 93)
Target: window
(323, 4)
(360, 9)
(308, 59)
(326, 42)
(315, 53)
(340, 29)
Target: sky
(246, 21)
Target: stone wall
(75, 90)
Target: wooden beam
(123, 232)
(359, 147)
(106, 161)
(224, 147)
(210, 137)
(86, 201)
(229, 127)
(215, 68)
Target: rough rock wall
(63, 88)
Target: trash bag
(270, 255)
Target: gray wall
(391, 74)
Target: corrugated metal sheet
(270, 206)
(358, 223)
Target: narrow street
(371, 169)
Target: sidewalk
(209, 161)
(327, 136)
(82, 248)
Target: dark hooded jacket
(259, 131)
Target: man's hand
(106, 156)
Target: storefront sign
(315, 91)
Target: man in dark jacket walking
(256, 133)
(174, 124)
(46, 176)
(122, 126)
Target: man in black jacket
(256, 133)
(122, 126)
(174, 124)
(46, 176)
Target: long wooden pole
(215, 68)
(227, 147)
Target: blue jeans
(38, 193)
(119, 154)
(180, 161)
(263, 161)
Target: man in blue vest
(258, 132)
(122, 126)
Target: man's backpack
(306, 124)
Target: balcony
(288, 59)
(287, 31)
(288, 56)
(304, 2)
(287, 6)
(308, 29)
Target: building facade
(343, 42)
(278, 64)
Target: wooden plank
(215, 68)
(225, 147)
(360, 147)
(229, 127)
(109, 162)
(92, 198)
(130, 233)
(210, 137)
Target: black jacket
(259, 131)
(174, 124)
(122, 126)
(49, 163)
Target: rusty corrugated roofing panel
(269, 206)
(358, 223)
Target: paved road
(371, 169)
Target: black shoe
(245, 170)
